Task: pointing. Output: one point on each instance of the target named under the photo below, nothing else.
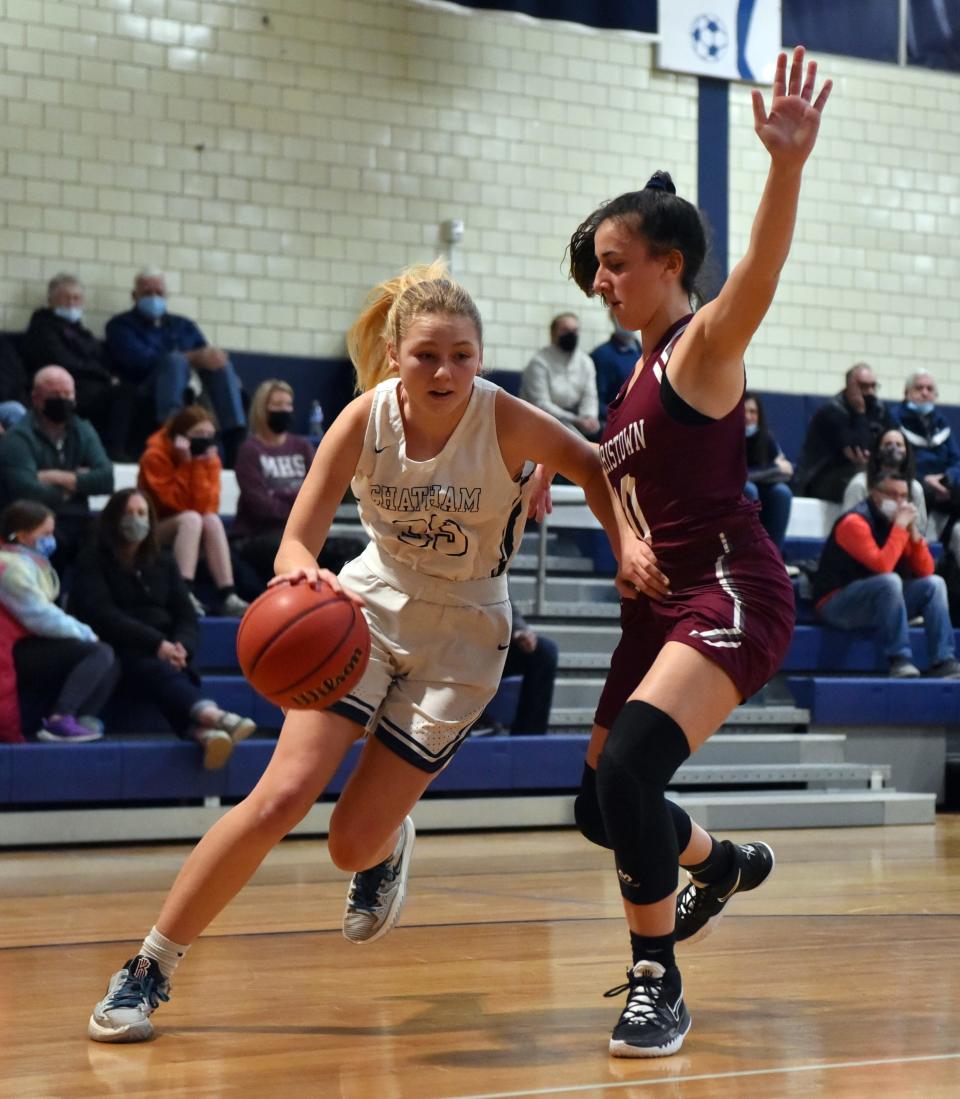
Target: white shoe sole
(711, 925)
(624, 1049)
(216, 752)
(396, 905)
(135, 1032)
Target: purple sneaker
(67, 730)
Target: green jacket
(26, 448)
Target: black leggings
(64, 675)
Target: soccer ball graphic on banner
(709, 37)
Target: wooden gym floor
(839, 978)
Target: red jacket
(10, 633)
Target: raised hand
(789, 131)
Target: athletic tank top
(679, 474)
(457, 516)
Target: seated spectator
(561, 379)
(271, 465)
(892, 454)
(169, 359)
(180, 471)
(56, 335)
(53, 651)
(13, 385)
(876, 572)
(936, 451)
(132, 593)
(768, 472)
(534, 657)
(840, 436)
(614, 362)
(56, 458)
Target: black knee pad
(643, 751)
(586, 810)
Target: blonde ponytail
(389, 309)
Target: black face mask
(279, 422)
(58, 409)
(567, 341)
(200, 446)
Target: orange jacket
(176, 485)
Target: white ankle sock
(166, 953)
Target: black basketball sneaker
(700, 906)
(655, 1020)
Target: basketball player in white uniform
(439, 460)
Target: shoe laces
(136, 990)
(367, 884)
(643, 997)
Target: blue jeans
(171, 376)
(886, 603)
(775, 503)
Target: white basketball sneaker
(376, 896)
(134, 993)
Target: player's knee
(586, 810)
(282, 809)
(645, 744)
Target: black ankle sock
(653, 948)
(716, 866)
(225, 592)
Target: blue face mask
(751, 430)
(71, 313)
(46, 545)
(152, 306)
(923, 407)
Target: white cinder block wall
(277, 159)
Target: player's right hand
(315, 577)
(638, 572)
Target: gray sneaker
(238, 727)
(946, 669)
(134, 993)
(376, 896)
(901, 668)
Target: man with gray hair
(56, 334)
(170, 360)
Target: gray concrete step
(819, 776)
(565, 590)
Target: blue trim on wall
(713, 175)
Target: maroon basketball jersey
(679, 474)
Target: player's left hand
(789, 132)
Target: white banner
(727, 39)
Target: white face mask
(889, 508)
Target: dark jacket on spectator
(137, 343)
(51, 340)
(934, 445)
(865, 543)
(762, 452)
(133, 609)
(13, 378)
(26, 448)
(823, 470)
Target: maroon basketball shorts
(738, 610)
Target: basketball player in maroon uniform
(713, 612)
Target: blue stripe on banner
(631, 15)
(713, 173)
(744, 16)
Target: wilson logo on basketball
(331, 683)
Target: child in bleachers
(47, 646)
(180, 470)
(893, 454)
(132, 593)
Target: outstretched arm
(725, 326)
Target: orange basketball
(303, 648)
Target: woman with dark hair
(712, 612)
(768, 471)
(132, 593)
(892, 454)
(42, 644)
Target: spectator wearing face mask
(55, 457)
(180, 470)
(47, 657)
(614, 362)
(169, 359)
(892, 454)
(841, 435)
(768, 471)
(876, 572)
(561, 379)
(56, 334)
(131, 592)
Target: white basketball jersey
(456, 516)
